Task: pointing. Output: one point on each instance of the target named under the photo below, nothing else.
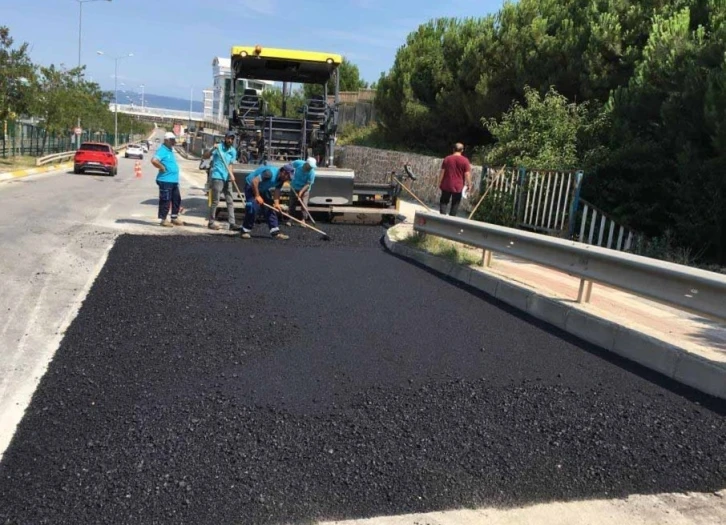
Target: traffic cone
(137, 169)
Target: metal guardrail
(695, 290)
(42, 161)
(158, 112)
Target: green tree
(60, 100)
(350, 80)
(541, 133)
(17, 77)
(273, 100)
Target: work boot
(177, 222)
(166, 223)
(245, 235)
(281, 236)
(214, 226)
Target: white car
(134, 150)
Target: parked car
(96, 156)
(134, 151)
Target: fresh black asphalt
(216, 380)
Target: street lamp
(142, 97)
(80, 27)
(115, 89)
(189, 127)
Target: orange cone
(137, 169)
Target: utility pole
(80, 28)
(115, 89)
(189, 126)
(142, 97)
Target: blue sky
(175, 41)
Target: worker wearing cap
(168, 181)
(301, 183)
(221, 180)
(263, 186)
(257, 148)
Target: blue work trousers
(252, 208)
(169, 194)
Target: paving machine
(312, 133)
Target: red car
(96, 156)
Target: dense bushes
(633, 92)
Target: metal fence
(23, 139)
(548, 201)
(545, 201)
(599, 229)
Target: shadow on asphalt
(89, 174)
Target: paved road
(223, 399)
(54, 231)
(213, 380)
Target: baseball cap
(229, 134)
(169, 136)
(313, 163)
(288, 168)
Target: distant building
(208, 110)
(222, 72)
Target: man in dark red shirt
(455, 175)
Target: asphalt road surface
(55, 229)
(216, 380)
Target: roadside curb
(10, 175)
(653, 353)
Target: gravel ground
(216, 380)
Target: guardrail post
(585, 293)
(575, 205)
(486, 258)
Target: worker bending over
(263, 186)
(302, 182)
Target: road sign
(77, 131)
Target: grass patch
(453, 251)
(16, 163)
(371, 136)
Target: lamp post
(189, 127)
(80, 28)
(142, 97)
(115, 89)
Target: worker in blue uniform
(263, 186)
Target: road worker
(222, 180)
(455, 175)
(301, 183)
(263, 186)
(168, 181)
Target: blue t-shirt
(300, 178)
(219, 169)
(166, 156)
(268, 178)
